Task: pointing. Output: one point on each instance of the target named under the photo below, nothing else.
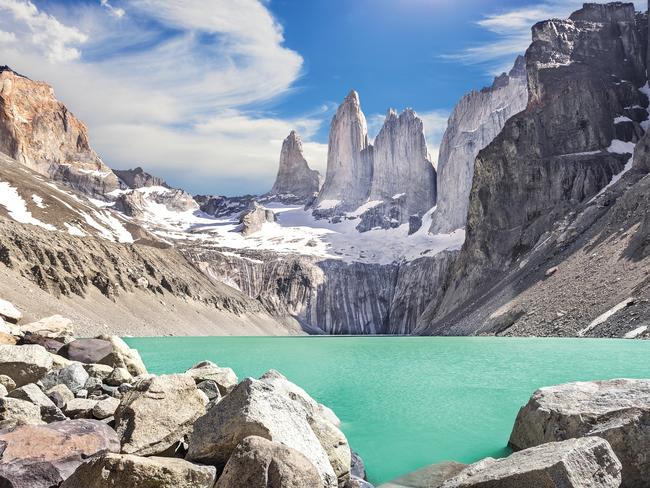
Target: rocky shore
(85, 413)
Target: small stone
(82, 394)
(7, 382)
(118, 377)
(60, 395)
(210, 388)
(207, 370)
(551, 271)
(101, 371)
(105, 408)
(80, 408)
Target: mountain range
(534, 221)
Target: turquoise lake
(407, 402)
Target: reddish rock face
(41, 456)
(38, 131)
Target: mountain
(38, 131)
(557, 226)
(476, 120)
(139, 178)
(349, 159)
(295, 181)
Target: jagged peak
(294, 140)
(607, 12)
(352, 97)
(408, 113)
(6, 68)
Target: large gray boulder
(73, 376)
(108, 350)
(576, 463)
(254, 218)
(225, 378)
(259, 463)
(616, 410)
(43, 456)
(14, 412)
(24, 364)
(254, 408)
(157, 413)
(128, 471)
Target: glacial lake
(407, 402)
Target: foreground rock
(55, 327)
(8, 312)
(43, 456)
(14, 412)
(576, 463)
(108, 350)
(253, 219)
(260, 463)
(255, 408)
(616, 410)
(225, 378)
(157, 413)
(24, 364)
(126, 471)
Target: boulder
(211, 389)
(8, 312)
(54, 327)
(576, 463)
(43, 456)
(128, 471)
(24, 364)
(51, 345)
(255, 408)
(105, 408)
(7, 382)
(322, 421)
(60, 395)
(357, 466)
(158, 412)
(616, 410)
(207, 370)
(33, 394)
(119, 376)
(108, 350)
(80, 408)
(101, 371)
(432, 476)
(87, 350)
(14, 411)
(59, 362)
(73, 376)
(259, 463)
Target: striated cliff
(476, 120)
(38, 131)
(535, 186)
(295, 181)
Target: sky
(202, 92)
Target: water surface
(408, 402)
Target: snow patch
(633, 334)
(38, 201)
(17, 208)
(74, 230)
(601, 319)
(329, 204)
(621, 119)
(364, 208)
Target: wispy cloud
(168, 85)
(511, 32)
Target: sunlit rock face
(38, 131)
(349, 159)
(476, 120)
(401, 164)
(295, 179)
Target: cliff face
(401, 163)
(139, 178)
(476, 120)
(295, 181)
(349, 158)
(38, 131)
(582, 121)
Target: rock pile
(86, 413)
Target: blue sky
(202, 92)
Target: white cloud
(169, 85)
(512, 32)
(56, 41)
(116, 12)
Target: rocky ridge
(476, 120)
